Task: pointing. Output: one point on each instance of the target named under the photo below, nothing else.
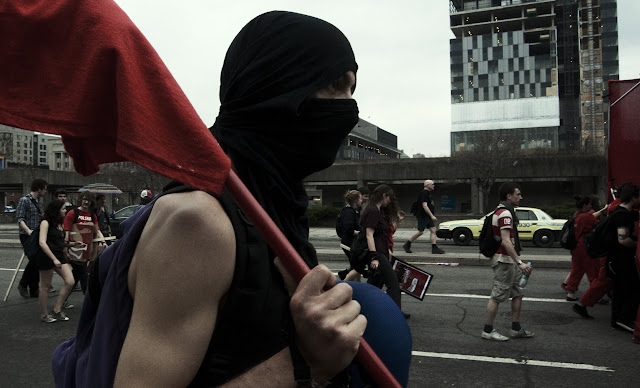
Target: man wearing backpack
(426, 218)
(507, 265)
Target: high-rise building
(368, 141)
(536, 70)
(19, 148)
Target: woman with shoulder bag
(52, 258)
(375, 226)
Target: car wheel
(543, 238)
(462, 236)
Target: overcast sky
(402, 49)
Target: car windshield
(126, 212)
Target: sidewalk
(422, 251)
(14, 241)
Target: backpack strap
(35, 203)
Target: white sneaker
(494, 336)
(522, 333)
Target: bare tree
(489, 153)
(134, 178)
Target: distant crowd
(64, 239)
(613, 270)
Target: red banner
(624, 131)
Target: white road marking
(474, 296)
(503, 360)
(10, 269)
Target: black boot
(435, 250)
(581, 311)
(407, 247)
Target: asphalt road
(567, 351)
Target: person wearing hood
(286, 105)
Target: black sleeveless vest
(254, 323)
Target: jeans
(31, 275)
(80, 274)
(387, 276)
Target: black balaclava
(274, 134)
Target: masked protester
(286, 105)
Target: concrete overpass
(545, 180)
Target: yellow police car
(535, 225)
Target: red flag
(82, 69)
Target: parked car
(9, 210)
(535, 225)
(118, 216)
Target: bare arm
(505, 235)
(97, 234)
(181, 269)
(42, 241)
(600, 212)
(372, 246)
(425, 206)
(624, 238)
(370, 242)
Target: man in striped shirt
(507, 265)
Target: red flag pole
(298, 268)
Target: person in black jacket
(350, 217)
(621, 261)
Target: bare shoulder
(194, 209)
(185, 233)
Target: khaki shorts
(505, 282)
